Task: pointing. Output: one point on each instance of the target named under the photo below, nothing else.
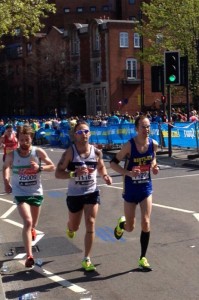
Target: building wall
(114, 91)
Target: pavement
(178, 158)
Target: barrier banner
(120, 133)
(182, 134)
(155, 132)
(99, 135)
(64, 138)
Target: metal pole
(187, 86)
(169, 120)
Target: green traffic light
(172, 78)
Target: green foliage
(24, 15)
(177, 22)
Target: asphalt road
(173, 251)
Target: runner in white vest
(25, 163)
(80, 163)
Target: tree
(50, 67)
(23, 15)
(172, 25)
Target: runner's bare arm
(61, 169)
(154, 165)
(121, 154)
(6, 172)
(48, 165)
(101, 168)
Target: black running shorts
(76, 203)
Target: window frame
(132, 71)
(66, 10)
(124, 39)
(137, 40)
(80, 9)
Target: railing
(184, 135)
(131, 77)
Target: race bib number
(144, 174)
(84, 179)
(27, 179)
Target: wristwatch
(72, 174)
(40, 169)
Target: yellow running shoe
(87, 265)
(70, 234)
(118, 231)
(144, 265)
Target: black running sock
(122, 225)
(144, 241)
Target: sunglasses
(86, 131)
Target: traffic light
(172, 67)
(163, 99)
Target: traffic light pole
(169, 120)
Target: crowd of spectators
(177, 115)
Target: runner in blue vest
(139, 154)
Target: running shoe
(87, 265)
(34, 234)
(118, 231)
(29, 262)
(144, 265)
(70, 234)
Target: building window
(29, 48)
(105, 8)
(66, 10)
(97, 71)
(92, 8)
(76, 72)
(131, 68)
(131, 1)
(104, 102)
(19, 51)
(96, 40)
(136, 40)
(133, 18)
(75, 43)
(124, 39)
(17, 31)
(159, 38)
(79, 9)
(98, 101)
(91, 107)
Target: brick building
(85, 62)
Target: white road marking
(9, 211)
(58, 279)
(63, 282)
(196, 215)
(174, 208)
(48, 274)
(13, 223)
(73, 287)
(6, 200)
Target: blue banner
(182, 134)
